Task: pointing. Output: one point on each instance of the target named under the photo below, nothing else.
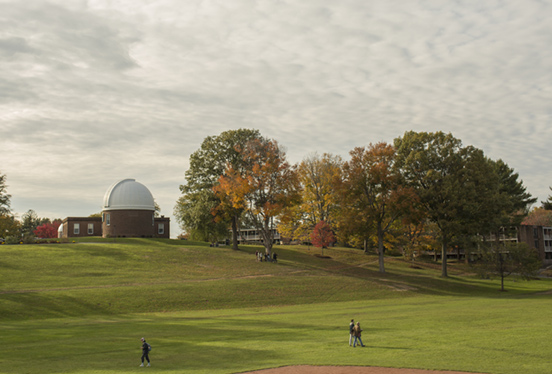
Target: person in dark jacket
(351, 328)
(145, 352)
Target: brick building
(540, 238)
(128, 211)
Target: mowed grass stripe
(82, 307)
(432, 332)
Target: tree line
(423, 190)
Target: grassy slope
(81, 308)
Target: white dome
(128, 194)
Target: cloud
(96, 91)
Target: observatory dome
(128, 195)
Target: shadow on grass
(422, 279)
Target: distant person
(146, 348)
(357, 332)
(274, 257)
(351, 330)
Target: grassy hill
(82, 307)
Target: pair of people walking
(355, 332)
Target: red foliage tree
(47, 230)
(538, 217)
(322, 235)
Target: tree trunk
(444, 257)
(501, 262)
(365, 245)
(235, 232)
(380, 249)
(267, 236)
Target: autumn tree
(48, 229)
(372, 192)
(207, 165)
(262, 188)
(456, 185)
(417, 237)
(9, 226)
(538, 217)
(322, 235)
(318, 197)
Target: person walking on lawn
(145, 352)
(357, 332)
(351, 329)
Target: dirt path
(304, 369)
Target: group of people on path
(355, 332)
(266, 257)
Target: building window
(90, 229)
(76, 228)
(107, 219)
(161, 229)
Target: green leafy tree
(207, 165)
(4, 196)
(513, 201)
(548, 203)
(456, 185)
(505, 260)
(29, 222)
(194, 213)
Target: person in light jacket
(357, 331)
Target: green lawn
(82, 308)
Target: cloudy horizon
(92, 92)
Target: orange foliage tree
(263, 187)
(372, 193)
(538, 217)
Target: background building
(128, 211)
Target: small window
(90, 229)
(76, 229)
(161, 228)
(107, 219)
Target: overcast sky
(92, 92)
